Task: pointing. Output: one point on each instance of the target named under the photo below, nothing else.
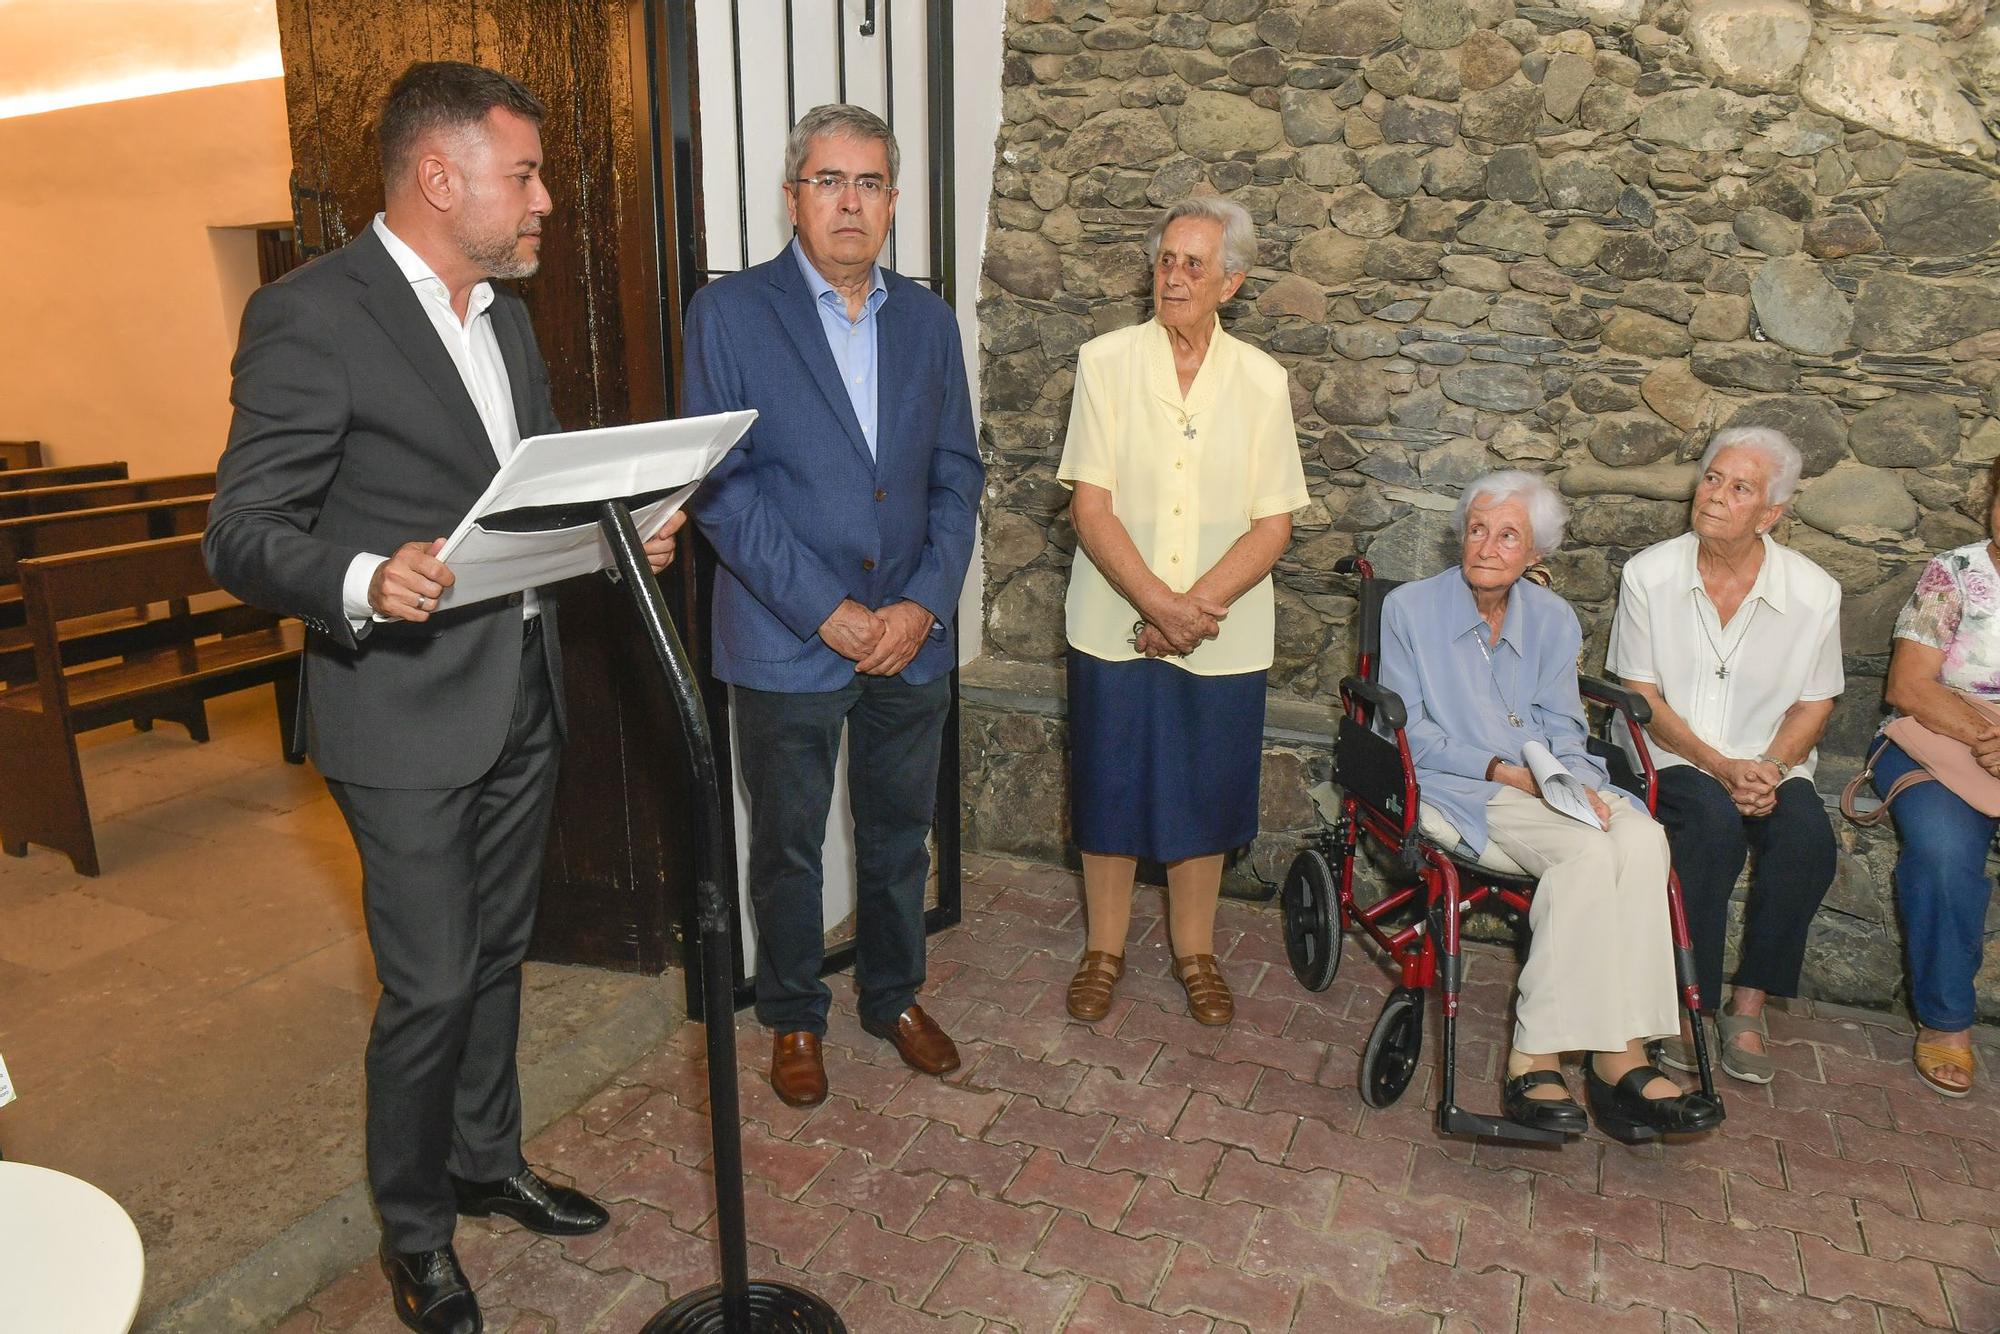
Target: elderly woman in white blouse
(1185, 465)
(1735, 642)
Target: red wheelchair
(1418, 922)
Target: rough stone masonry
(1578, 238)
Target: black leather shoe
(1625, 1113)
(430, 1293)
(1560, 1115)
(537, 1205)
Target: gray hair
(842, 120)
(1781, 458)
(1547, 514)
(1239, 234)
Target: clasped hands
(878, 643)
(406, 586)
(1176, 624)
(1986, 749)
(1752, 785)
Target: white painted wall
(741, 199)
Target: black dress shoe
(1560, 1115)
(430, 1293)
(1624, 1112)
(537, 1205)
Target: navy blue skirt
(1163, 764)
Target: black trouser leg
(1706, 835)
(449, 884)
(1794, 868)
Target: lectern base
(774, 1309)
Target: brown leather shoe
(1208, 995)
(1090, 990)
(923, 1046)
(798, 1075)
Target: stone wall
(1576, 238)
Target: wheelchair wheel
(1312, 928)
(1391, 1057)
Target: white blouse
(1731, 684)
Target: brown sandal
(1090, 989)
(1208, 995)
(1935, 1060)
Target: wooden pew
(76, 530)
(20, 453)
(170, 674)
(23, 479)
(91, 495)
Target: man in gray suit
(376, 391)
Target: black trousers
(787, 746)
(450, 879)
(1710, 839)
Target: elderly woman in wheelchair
(1486, 667)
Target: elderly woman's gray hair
(1239, 234)
(842, 120)
(1782, 464)
(1547, 515)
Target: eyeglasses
(832, 186)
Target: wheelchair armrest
(1618, 697)
(1389, 710)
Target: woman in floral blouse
(1947, 653)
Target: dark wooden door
(620, 868)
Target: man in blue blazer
(844, 521)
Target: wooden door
(620, 872)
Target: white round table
(70, 1258)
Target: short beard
(500, 256)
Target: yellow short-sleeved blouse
(1187, 477)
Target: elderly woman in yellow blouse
(1185, 466)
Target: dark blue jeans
(1942, 890)
(787, 745)
(1711, 839)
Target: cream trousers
(1600, 968)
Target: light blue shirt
(1458, 707)
(852, 342)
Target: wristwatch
(1784, 770)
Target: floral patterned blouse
(1956, 607)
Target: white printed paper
(6, 1086)
(580, 468)
(1562, 791)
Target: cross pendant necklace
(1187, 427)
(1479, 637)
(1721, 658)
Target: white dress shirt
(475, 350)
(1780, 648)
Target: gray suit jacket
(353, 432)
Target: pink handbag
(1942, 759)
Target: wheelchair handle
(1388, 704)
(1629, 702)
(1354, 565)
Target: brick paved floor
(1147, 1174)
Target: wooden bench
(20, 453)
(169, 672)
(77, 530)
(93, 495)
(23, 479)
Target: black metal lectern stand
(735, 1305)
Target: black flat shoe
(1560, 1115)
(1627, 1115)
(537, 1205)
(430, 1293)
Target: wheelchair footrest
(1458, 1121)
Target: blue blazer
(799, 513)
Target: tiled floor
(1147, 1174)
